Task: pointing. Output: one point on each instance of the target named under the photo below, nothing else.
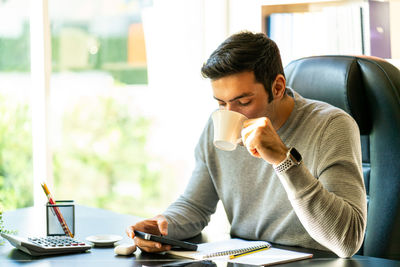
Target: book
(222, 250)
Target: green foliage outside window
(102, 159)
(15, 153)
(14, 51)
(99, 158)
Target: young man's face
(242, 93)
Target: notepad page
(271, 256)
(205, 249)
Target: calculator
(49, 245)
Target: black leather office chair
(367, 88)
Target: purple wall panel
(379, 21)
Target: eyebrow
(236, 98)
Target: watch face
(296, 155)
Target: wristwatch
(293, 158)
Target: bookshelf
(293, 7)
(332, 27)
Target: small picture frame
(67, 210)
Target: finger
(130, 231)
(253, 126)
(254, 153)
(249, 128)
(162, 225)
(249, 136)
(154, 250)
(150, 246)
(262, 121)
(251, 144)
(143, 243)
(148, 226)
(246, 123)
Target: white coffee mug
(227, 128)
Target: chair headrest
(336, 80)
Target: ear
(279, 86)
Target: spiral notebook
(220, 251)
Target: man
(298, 178)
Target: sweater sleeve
(332, 205)
(191, 212)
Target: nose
(227, 106)
(230, 107)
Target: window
(99, 125)
(126, 101)
(16, 172)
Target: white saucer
(104, 240)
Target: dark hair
(246, 51)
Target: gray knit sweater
(319, 204)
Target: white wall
(179, 99)
(244, 15)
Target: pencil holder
(59, 217)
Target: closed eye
(244, 103)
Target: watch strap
(287, 163)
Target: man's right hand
(157, 225)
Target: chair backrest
(367, 88)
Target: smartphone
(165, 240)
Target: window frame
(40, 45)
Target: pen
(57, 211)
(248, 252)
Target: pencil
(57, 211)
(248, 252)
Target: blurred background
(103, 99)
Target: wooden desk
(91, 221)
